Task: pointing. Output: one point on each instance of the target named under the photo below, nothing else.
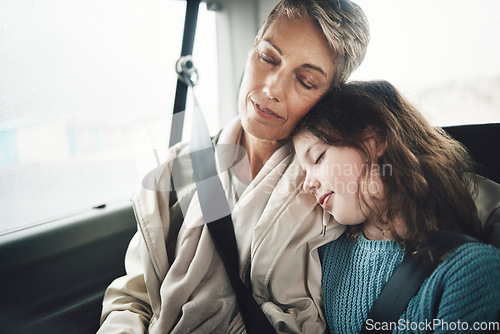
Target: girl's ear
(375, 143)
(380, 146)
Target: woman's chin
(263, 132)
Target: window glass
(442, 54)
(79, 80)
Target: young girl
(376, 165)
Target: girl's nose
(310, 184)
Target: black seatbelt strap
(217, 216)
(409, 276)
(213, 201)
(190, 21)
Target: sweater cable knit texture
(465, 286)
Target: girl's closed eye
(318, 160)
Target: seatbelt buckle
(186, 71)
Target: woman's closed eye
(306, 83)
(266, 58)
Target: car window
(79, 82)
(442, 54)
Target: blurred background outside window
(79, 82)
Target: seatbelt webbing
(212, 198)
(409, 276)
(190, 22)
(217, 216)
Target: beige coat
(285, 269)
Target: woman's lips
(263, 111)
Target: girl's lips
(323, 201)
(264, 112)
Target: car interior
(54, 268)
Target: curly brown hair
(431, 179)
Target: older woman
(175, 281)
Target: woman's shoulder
(175, 163)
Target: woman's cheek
(250, 76)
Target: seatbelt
(409, 276)
(190, 21)
(214, 205)
(217, 217)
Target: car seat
(488, 205)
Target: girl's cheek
(339, 178)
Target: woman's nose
(275, 86)
(310, 184)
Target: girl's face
(287, 72)
(332, 175)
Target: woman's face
(287, 72)
(332, 175)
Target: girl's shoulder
(473, 260)
(475, 252)
(466, 285)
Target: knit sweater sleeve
(471, 288)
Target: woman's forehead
(300, 38)
(297, 27)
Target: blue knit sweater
(465, 287)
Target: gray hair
(342, 22)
